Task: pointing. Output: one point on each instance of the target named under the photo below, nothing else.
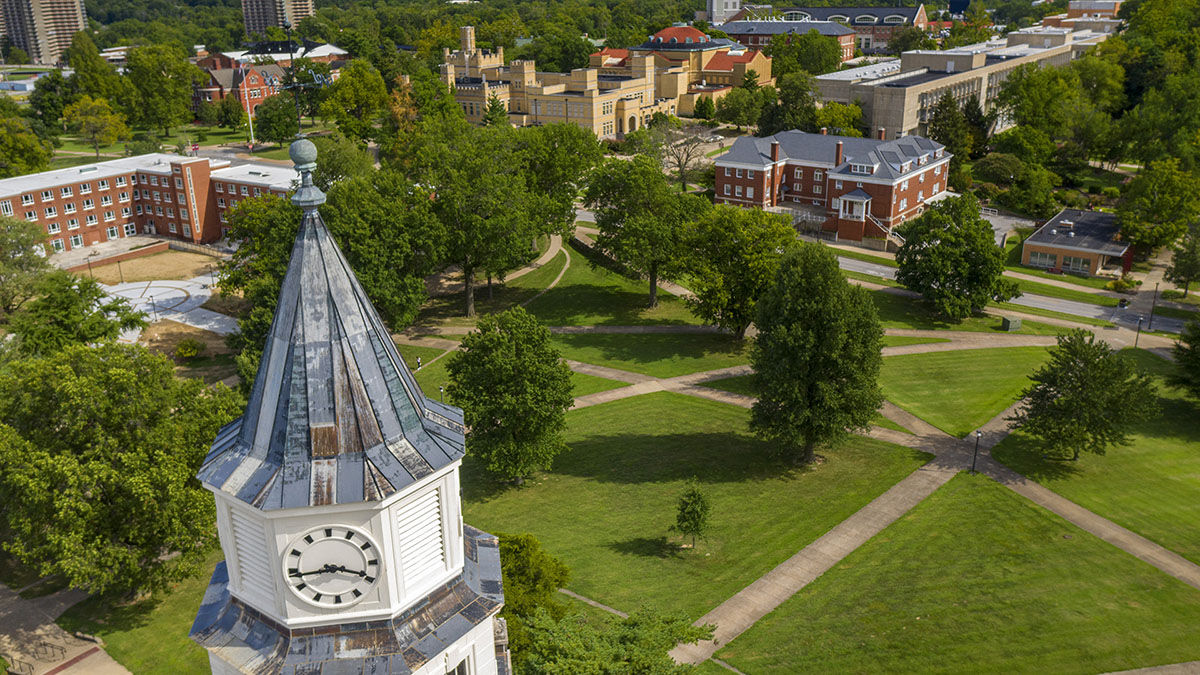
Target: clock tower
(337, 496)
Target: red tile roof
(614, 57)
(681, 34)
(725, 60)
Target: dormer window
(865, 18)
(906, 167)
(893, 19)
(864, 169)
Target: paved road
(1124, 317)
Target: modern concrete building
(183, 198)
(258, 15)
(619, 92)
(873, 26)
(854, 188)
(1079, 242)
(897, 95)
(758, 34)
(43, 28)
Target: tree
(17, 57)
(230, 113)
(355, 100)
(692, 512)
(560, 49)
(21, 151)
(640, 218)
(739, 107)
(96, 122)
(683, 148)
(796, 107)
(705, 108)
(1102, 82)
(638, 644)
(1159, 205)
(22, 261)
(208, 114)
(70, 310)
(1185, 263)
(1186, 354)
(998, 167)
(951, 258)
(948, 126)
(810, 53)
(841, 119)
(164, 81)
(1034, 192)
(51, 94)
(93, 75)
(99, 448)
(309, 75)
(816, 359)
(557, 158)
(341, 159)
(910, 39)
(977, 27)
(980, 124)
(734, 258)
(1039, 97)
(514, 389)
(495, 113)
(1085, 397)
(531, 579)
(1030, 145)
(750, 80)
(275, 120)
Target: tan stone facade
(619, 92)
(898, 95)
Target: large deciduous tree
(532, 578)
(740, 107)
(1160, 205)
(230, 113)
(1186, 352)
(164, 80)
(96, 122)
(341, 158)
(22, 261)
(733, 258)
(796, 107)
(275, 120)
(1085, 398)
(514, 389)
(21, 151)
(810, 52)
(683, 148)
(52, 93)
(69, 310)
(641, 219)
(93, 75)
(99, 448)
(356, 100)
(816, 359)
(951, 258)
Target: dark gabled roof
(879, 13)
(831, 28)
(231, 78)
(1094, 231)
(335, 416)
(886, 156)
(401, 645)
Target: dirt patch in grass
(229, 304)
(165, 265)
(213, 364)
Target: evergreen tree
(705, 108)
(816, 359)
(1185, 263)
(495, 114)
(980, 124)
(948, 126)
(70, 310)
(750, 80)
(1186, 353)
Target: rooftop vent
(89, 169)
(1053, 231)
(1071, 234)
(1066, 224)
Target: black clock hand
(325, 569)
(342, 568)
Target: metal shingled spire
(335, 416)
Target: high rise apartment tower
(258, 15)
(43, 28)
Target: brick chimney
(824, 131)
(774, 151)
(837, 156)
(882, 134)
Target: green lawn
(870, 278)
(1051, 291)
(1176, 313)
(1149, 486)
(149, 636)
(742, 384)
(606, 507)
(959, 391)
(897, 311)
(590, 384)
(449, 309)
(977, 579)
(588, 296)
(866, 256)
(435, 375)
(658, 355)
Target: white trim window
(69, 207)
(109, 216)
(749, 193)
(89, 204)
(85, 188)
(728, 172)
(737, 190)
(90, 220)
(31, 216)
(102, 184)
(220, 187)
(1042, 259)
(130, 229)
(47, 195)
(126, 212)
(53, 228)
(26, 200)
(749, 173)
(171, 227)
(106, 200)
(120, 181)
(51, 212)
(72, 223)
(799, 173)
(66, 191)
(727, 189)
(76, 240)
(58, 245)
(6, 208)
(245, 191)
(739, 173)
(113, 232)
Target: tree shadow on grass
(650, 348)
(1025, 455)
(648, 547)
(110, 614)
(573, 304)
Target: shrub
(1172, 295)
(1071, 199)
(188, 348)
(1111, 192)
(986, 191)
(1123, 284)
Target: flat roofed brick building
(1079, 242)
(758, 34)
(856, 188)
(873, 26)
(184, 198)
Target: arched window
(865, 18)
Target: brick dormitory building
(184, 198)
(856, 188)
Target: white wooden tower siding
(338, 498)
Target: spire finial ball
(303, 152)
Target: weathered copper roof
(253, 643)
(334, 416)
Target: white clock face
(332, 566)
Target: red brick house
(857, 188)
(250, 84)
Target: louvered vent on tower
(421, 540)
(249, 541)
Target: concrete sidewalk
(35, 645)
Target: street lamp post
(441, 393)
(1139, 331)
(1153, 306)
(120, 271)
(974, 457)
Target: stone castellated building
(337, 497)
